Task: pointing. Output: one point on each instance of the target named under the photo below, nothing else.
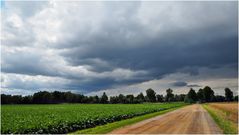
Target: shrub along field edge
(103, 129)
(219, 117)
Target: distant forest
(43, 97)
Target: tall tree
(169, 95)
(58, 97)
(122, 99)
(159, 98)
(96, 99)
(200, 95)
(182, 97)
(208, 94)
(104, 98)
(228, 94)
(151, 95)
(130, 98)
(140, 97)
(114, 100)
(191, 97)
(236, 98)
(42, 97)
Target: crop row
(37, 119)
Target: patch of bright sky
(2, 3)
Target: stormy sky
(118, 47)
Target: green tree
(200, 95)
(151, 95)
(219, 98)
(96, 99)
(122, 99)
(208, 94)
(159, 98)
(42, 97)
(70, 97)
(114, 100)
(27, 100)
(182, 97)
(90, 100)
(228, 94)
(104, 99)
(130, 98)
(236, 98)
(140, 97)
(191, 97)
(169, 96)
(58, 97)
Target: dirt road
(191, 119)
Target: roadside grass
(221, 118)
(111, 126)
(230, 108)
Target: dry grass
(230, 108)
(226, 115)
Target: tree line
(43, 97)
(207, 95)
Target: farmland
(65, 118)
(225, 115)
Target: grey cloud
(25, 62)
(208, 46)
(147, 40)
(193, 85)
(162, 59)
(179, 84)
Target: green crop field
(65, 118)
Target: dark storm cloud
(214, 44)
(179, 84)
(193, 85)
(161, 59)
(120, 44)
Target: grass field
(65, 118)
(225, 115)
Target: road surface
(192, 119)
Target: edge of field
(103, 129)
(219, 116)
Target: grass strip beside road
(220, 117)
(111, 126)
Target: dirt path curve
(192, 119)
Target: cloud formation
(94, 46)
(179, 84)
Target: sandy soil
(191, 119)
